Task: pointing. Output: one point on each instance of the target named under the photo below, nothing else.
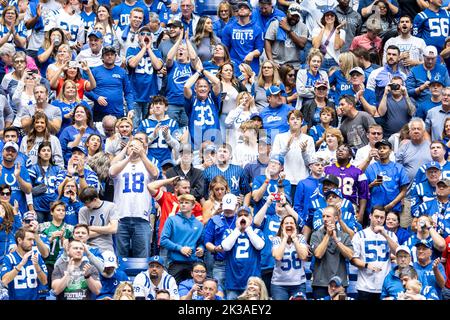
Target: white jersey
(414, 45)
(372, 248)
(290, 271)
(144, 287)
(130, 191)
(72, 23)
(36, 39)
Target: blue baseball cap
(80, 148)
(244, 3)
(433, 164)
(277, 157)
(273, 90)
(335, 191)
(156, 259)
(425, 243)
(329, 9)
(96, 34)
(298, 296)
(244, 208)
(337, 280)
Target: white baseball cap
(229, 202)
(109, 259)
(430, 51)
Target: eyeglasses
(5, 194)
(145, 33)
(267, 67)
(19, 61)
(376, 133)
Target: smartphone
(379, 177)
(125, 139)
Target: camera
(57, 41)
(342, 296)
(276, 196)
(74, 64)
(394, 86)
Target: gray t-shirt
(286, 51)
(355, 130)
(6, 112)
(100, 217)
(413, 156)
(50, 111)
(333, 262)
(396, 116)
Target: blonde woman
(124, 291)
(268, 76)
(247, 77)
(118, 141)
(333, 139)
(255, 290)
(63, 55)
(218, 188)
(12, 30)
(340, 78)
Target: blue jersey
(316, 132)
(348, 216)
(340, 83)
(203, 118)
(242, 262)
(418, 76)
(241, 40)
(88, 20)
(303, 198)
(25, 285)
(369, 95)
(269, 227)
(20, 29)
(7, 176)
(49, 178)
(7, 238)
(177, 75)
(439, 212)
(160, 8)
(214, 230)
(432, 27)
(234, 175)
(89, 175)
(264, 20)
(423, 107)
(144, 79)
(317, 201)
(422, 177)
(109, 285)
(426, 272)
(275, 119)
(420, 193)
(72, 209)
(159, 148)
(121, 13)
(394, 177)
(68, 135)
(66, 108)
(114, 85)
(272, 187)
(411, 244)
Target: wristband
(69, 176)
(17, 269)
(81, 177)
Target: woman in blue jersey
(12, 29)
(104, 17)
(68, 99)
(69, 195)
(77, 133)
(10, 222)
(38, 134)
(43, 180)
(224, 14)
(220, 55)
(289, 250)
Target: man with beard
(418, 81)
(285, 38)
(353, 182)
(411, 47)
(353, 21)
(175, 28)
(156, 277)
(93, 54)
(331, 248)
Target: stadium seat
(133, 266)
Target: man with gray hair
(437, 115)
(187, 16)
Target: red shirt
(363, 41)
(446, 255)
(80, 87)
(169, 205)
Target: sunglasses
(5, 194)
(146, 34)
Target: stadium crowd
(257, 150)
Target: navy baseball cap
(80, 148)
(244, 3)
(156, 259)
(96, 34)
(273, 90)
(335, 191)
(337, 280)
(244, 208)
(383, 142)
(255, 115)
(433, 164)
(298, 296)
(331, 178)
(108, 49)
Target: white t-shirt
(331, 52)
(363, 153)
(290, 271)
(414, 45)
(372, 248)
(130, 191)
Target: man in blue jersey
(111, 277)
(122, 12)
(158, 7)
(24, 269)
(257, 168)
(143, 62)
(432, 24)
(275, 114)
(202, 106)
(420, 77)
(243, 247)
(269, 222)
(244, 38)
(388, 181)
(233, 174)
(425, 191)
(438, 152)
(265, 13)
(432, 271)
(12, 134)
(409, 273)
(113, 86)
(15, 175)
(161, 130)
(182, 237)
